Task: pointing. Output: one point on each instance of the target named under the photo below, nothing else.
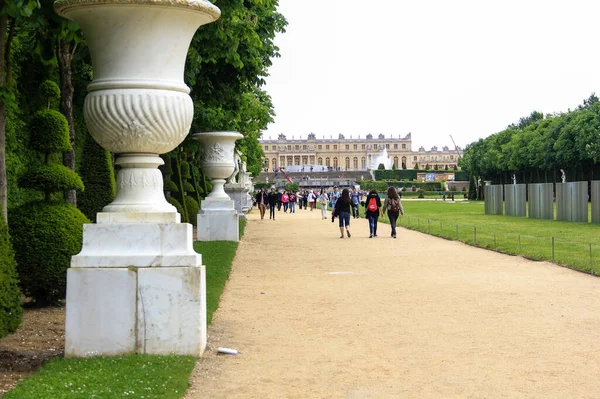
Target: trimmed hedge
(51, 178)
(46, 234)
(192, 206)
(411, 174)
(11, 313)
(98, 176)
(49, 132)
(381, 186)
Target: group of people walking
(344, 205)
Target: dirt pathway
(315, 316)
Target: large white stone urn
(138, 104)
(137, 286)
(218, 160)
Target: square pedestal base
(218, 225)
(155, 310)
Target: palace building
(348, 154)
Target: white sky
(466, 68)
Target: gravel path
(316, 316)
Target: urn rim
(198, 136)
(63, 6)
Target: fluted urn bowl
(217, 158)
(138, 101)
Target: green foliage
(175, 203)
(98, 176)
(45, 237)
(51, 179)
(50, 92)
(382, 186)
(538, 146)
(185, 170)
(49, 132)
(170, 186)
(472, 189)
(11, 313)
(381, 167)
(187, 186)
(398, 174)
(262, 184)
(192, 207)
(292, 187)
(148, 376)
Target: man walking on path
(272, 201)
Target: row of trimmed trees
(537, 147)
(226, 66)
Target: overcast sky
(466, 68)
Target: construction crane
(456, 147)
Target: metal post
(475, 235)
(591, 261)
(552, 249)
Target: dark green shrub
(381, 166)
(192, 206)
(176, 204)
(49, 132)
(50, 91)
(187, 186)
(11, 313)
(170, 186)
(98, 176)
(421, 193)
(51, 178)
(46, 235)
(185, 170)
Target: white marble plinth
(238, 193)
(101, 312)
(137, 245)
(113, 311)
(218, 221)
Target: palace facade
(354, 154)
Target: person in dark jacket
(372, 209)
(272, 198)
(262, 199)
(342, 211)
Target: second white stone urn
(218, 219)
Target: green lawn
(135, 376)
(576, 245)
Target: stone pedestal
(239, 194)
(136, 288)
(218, 220)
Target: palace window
(289, 148)
(335, 162)
(363, 163)
(274, 163)
(296, 147)
(387, 146)
(304, 147)
(319, 161)
(396, 162)
(319, 147)
(327, 147)
(414, 158)
(395, 146)
(363, 146)
(356, 146)
(266, 148)
(335, 147)
(452, 157)
(327, 162)
(347, 146)
(347, 163)
(404, 146)
(355, 162)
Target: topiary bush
(192, 206)
(98, 176)
(46, 234)
(11, 312)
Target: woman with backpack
(372, 207)
(394, 208)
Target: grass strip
(570, 244)
(217, 256)
(134, 376)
